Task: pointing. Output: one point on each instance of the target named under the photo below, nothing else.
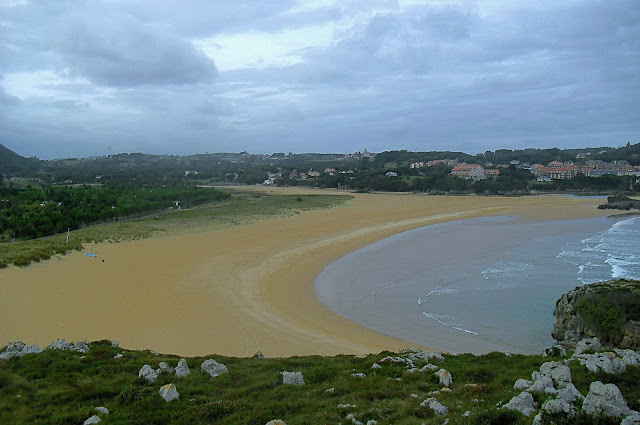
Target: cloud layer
(92, 78)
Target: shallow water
(478, 285)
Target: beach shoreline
(239, 290)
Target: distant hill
(12, 164)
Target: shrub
(604, 316)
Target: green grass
(240, 209)
(64, 387)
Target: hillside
(66, 382)
(12, 164)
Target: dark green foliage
(607, 318)
(608, 307)
(34, 213)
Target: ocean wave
(506, 267)
(611, 253)
(449, 321)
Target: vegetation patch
(64, 387)
(232, 210)
(608, 307)
(620, 202)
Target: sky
(95, 77)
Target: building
(493, 173)
(469, 171)
(562, 173)
(392, 174)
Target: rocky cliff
(607, 310)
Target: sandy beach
(238, 290)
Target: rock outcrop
(605, 400)
(19, 349)
(570, 326)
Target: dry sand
(234, 291)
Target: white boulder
(632, 419)
(102, 410)
(606, 400)
(444, 377)
(80, 347)
(523, 403)
(182, 369)
(213, 368)
(92, 420)
(570, 394)
(169, 392)
(543, 384)
(433, 404)
(587, 344)
(558, 406)
(522, 384)
(605, 362)
(19, 349)
(415, 354)
(165, 368)
(148, 374)
(555, 351)
(558, 372)
(629, 357)
(292, 378)
(60, 344)
(397, 360)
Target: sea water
(478, 285)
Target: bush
(604, 316)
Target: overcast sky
(82, 78)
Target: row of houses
(474, 172)
(556, 170)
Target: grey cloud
(7, 99)
(103, 45)
(565, 74)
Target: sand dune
(238, 290)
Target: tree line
(30, 212)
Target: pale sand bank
(234, 291)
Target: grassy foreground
(241, 208)
(63, 387)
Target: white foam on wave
(611, 253)
(506, 268)
(440, 290)
(623, 268)
(449, 321)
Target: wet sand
(239, 290)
